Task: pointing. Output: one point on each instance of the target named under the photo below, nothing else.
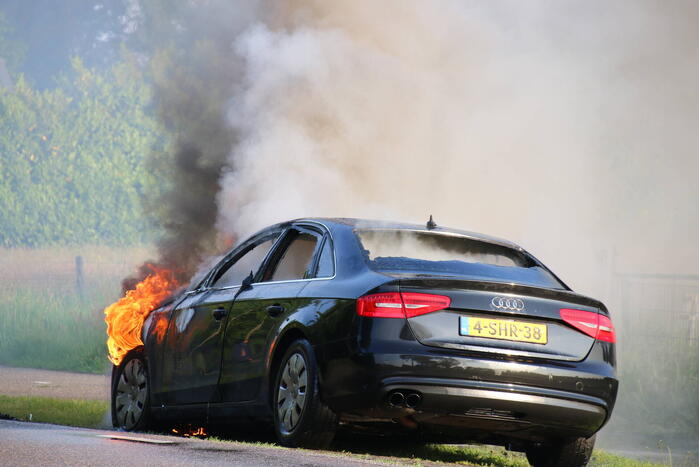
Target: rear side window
(297, 260)
(404, 251)
(326, 262)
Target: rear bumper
(473, 397)
(482, 411)
(527, 412)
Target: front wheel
(301, 419)
(131, 395)
(571, 453)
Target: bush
(72, 159)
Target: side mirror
(245, 285)
(247, 282)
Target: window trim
(316, 262)
(281, 249)
(236, 254)
(321, 230)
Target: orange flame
(201, 432)
(125, 317)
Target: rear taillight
(400, 305)
(593, 324)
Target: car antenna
(431, 224)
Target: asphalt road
(32, 444)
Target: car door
(195, 335)
(258, 312)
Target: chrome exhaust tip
(412, 400)
(396, 399)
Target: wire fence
(70, 270)
(657, 308)
(657, 321)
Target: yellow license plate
(504, 329)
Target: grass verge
(605, 459)
(79, 413)
(51, 317)
(472, 455)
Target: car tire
(131, 394)
(301, 419)
(575, 452)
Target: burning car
(316, 323)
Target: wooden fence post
(79, 276)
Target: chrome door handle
(275, 310)
(219, 313)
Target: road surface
(32, 444)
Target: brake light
(593, 324)
(381, 305)
(400, 305)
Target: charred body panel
(213, 353)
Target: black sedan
(319, 323)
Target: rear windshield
(404, 251)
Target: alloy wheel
(131, 394)
(291, 394)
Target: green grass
(52, 329)
(657, 398)
(458, 454)
(80, 413)
(472, 454)
(605, 459)
(44, 322)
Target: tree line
(72, 158)
(111, 146)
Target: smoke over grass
(565, 126)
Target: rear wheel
(570, 453)
(300, 417)
(131, 395)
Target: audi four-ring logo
(504, 303)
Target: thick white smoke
(560, 125)
(566, 126)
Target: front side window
(238, 269)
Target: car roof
(373, 224)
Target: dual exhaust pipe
(402, 398)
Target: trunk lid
(501, 318)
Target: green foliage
(72, 159)
(82, 413)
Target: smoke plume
(552, 125)
(560, 126)
(568, 127)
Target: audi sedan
(314, 324)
